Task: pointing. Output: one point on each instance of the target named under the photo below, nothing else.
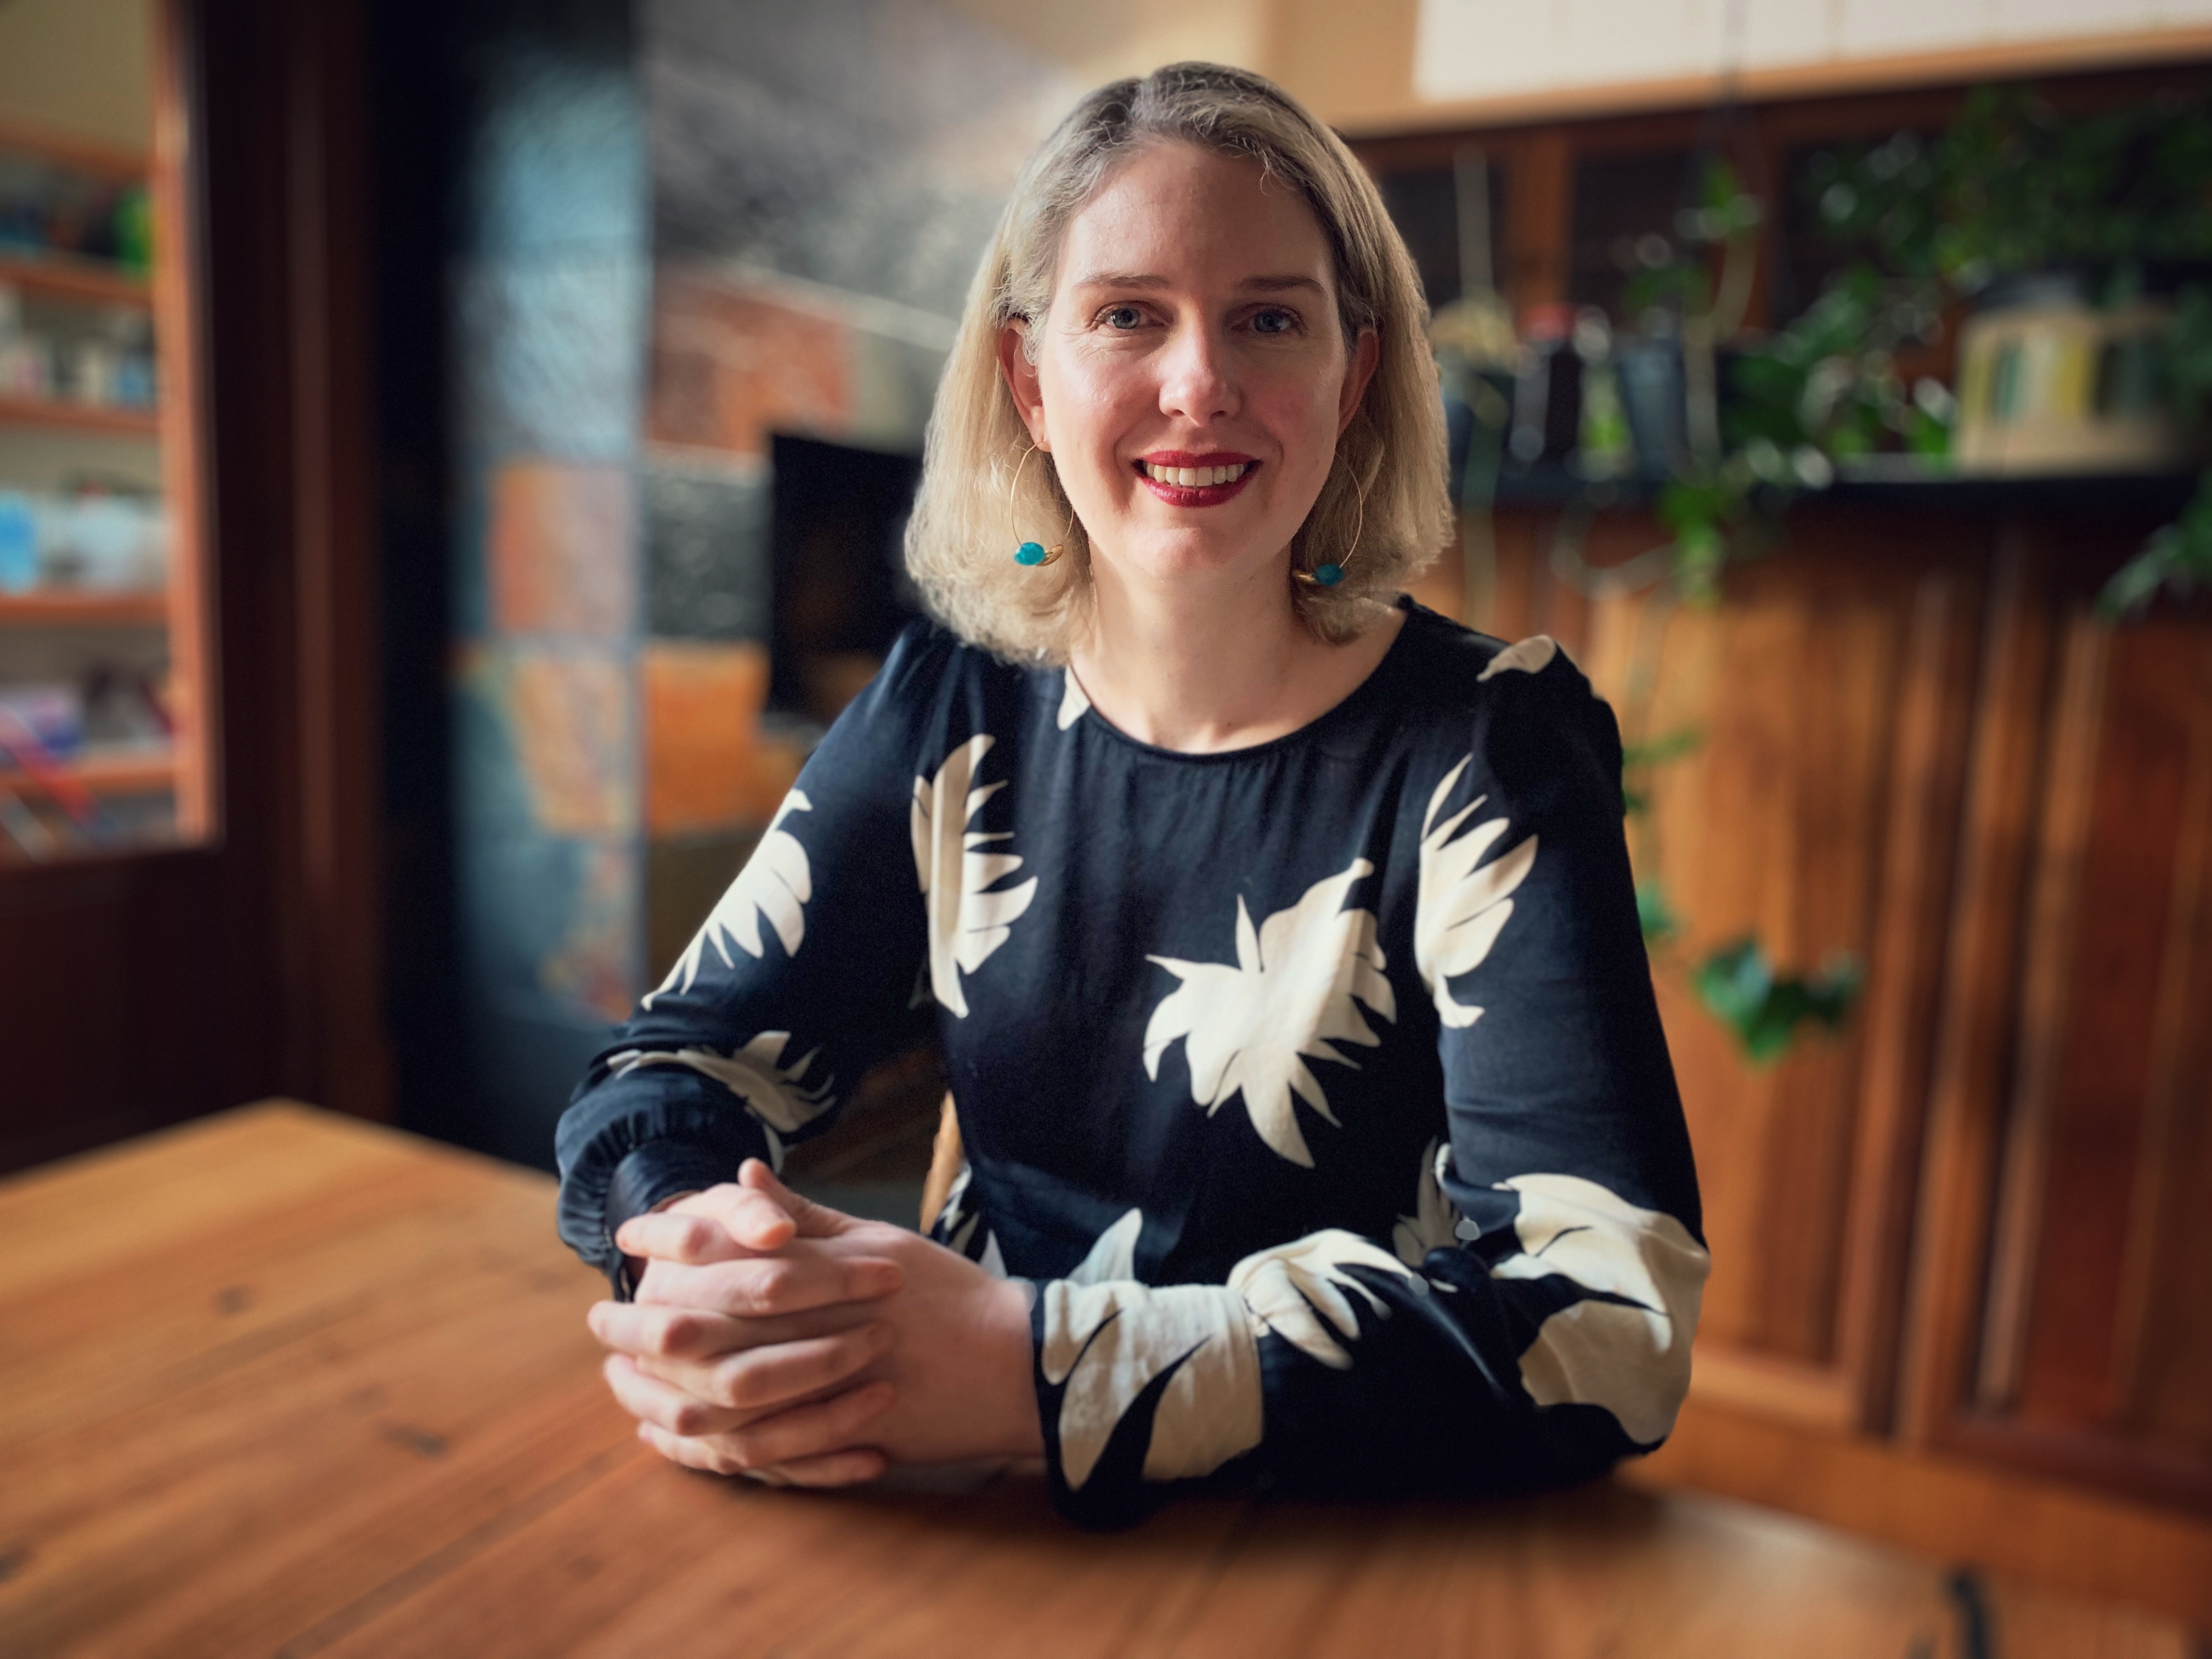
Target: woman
(1280, 933)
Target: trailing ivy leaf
(1657, 751)
(2178, 559)
(1654, 914)
(1739, 986)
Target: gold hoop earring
(1328, 575)
(1035, 555)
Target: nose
(1197, 380)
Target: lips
(1182, 479)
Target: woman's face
(1192, 376)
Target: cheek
(1300, 411)
(1089, 405)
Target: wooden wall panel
(1834, 688)
(2094, 1352)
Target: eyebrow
(1249, 285)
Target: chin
(1171, 556)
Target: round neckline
(1385, 667)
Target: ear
(1366, 352)
(1021, 378)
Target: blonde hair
(1386, 484)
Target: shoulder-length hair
(1386, 488)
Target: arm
(1528, 1321)
(803, 977)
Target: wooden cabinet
(231, 953)
(1967, 1232)
(101, 623)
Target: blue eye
(1274, 322)
(1123, 317)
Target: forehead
(1193, 216)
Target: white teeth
(1195, 478)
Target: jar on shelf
(2050, 383)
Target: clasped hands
(782, 1340)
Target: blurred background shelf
(137, 772)
(147, 610)
(66, 278)
(2126, 494)
(79, 417)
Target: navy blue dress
(1318, 1085)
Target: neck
(1202, 664)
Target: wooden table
(278, 1383)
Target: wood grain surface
(279, 1382)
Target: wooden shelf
(78, 154)
(137, 772)
(65, 607)
(79, 417)
(69, 278)
(2161, 494)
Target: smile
(1195, 480)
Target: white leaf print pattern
(1461, 909)
(1290, 1288)
(966, 923)
(1632, 1360)
(1108, 1339)
(1435, 1221)
(775, 1094)
(775, 882)
(1114, 1255)
(1531, 656)
(1289, 994)
(1073, 699)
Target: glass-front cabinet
(104, 700)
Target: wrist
(1014, 1353)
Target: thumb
(813, 1220)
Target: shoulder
(931, 675)
(1523, 713)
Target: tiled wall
(549, 274)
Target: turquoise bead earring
(1328, 575)
(1033, 554)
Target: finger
(807, 1432)
(699, 1454)
(813, 1220)
(678, 1236)
(799, 1279)
(753, 1219)
(844, 1469)
(649, 1400)
(778, 1375)
(651, 1330)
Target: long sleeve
(808, 971)
(1527, 1318)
